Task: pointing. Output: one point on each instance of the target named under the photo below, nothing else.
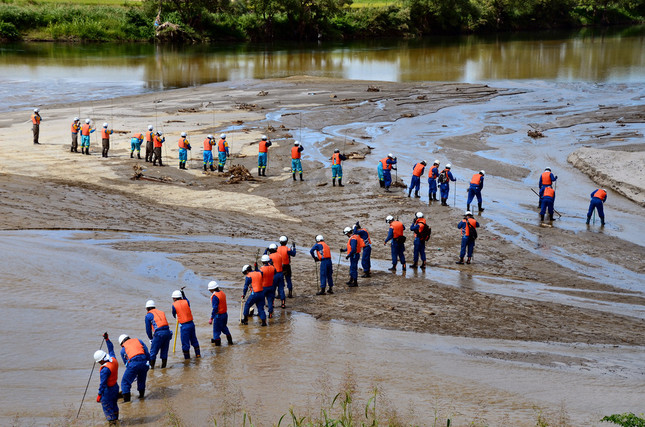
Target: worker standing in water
(598, 198)
(136, 358)
(286, 254)
(254, 281)
(268, 284)
(421, 235)
(475, 190)
(219, 315)
(366, 253)
(158, 333)
(181, 310)
(109, 385)
(353, 249)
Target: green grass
(376, 3)
(74, 2)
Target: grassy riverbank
(127, 20)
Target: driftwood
(535, 134)
(138, 175)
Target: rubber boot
(138, 155)
(588, 219)
(264, 172)
(340, 182)
(467, 207)
(542, 218)
(126, 397)
(294, 176)
(410, 193)
(393, 268)
(461, 261)
(330, 291)
(423, 265)
(220, 168)
(87, 151)
(152, 364)
(283, 305)
(353, 283)
(550, 217)
(350, 281)
(164, 363)
(198, 353)
(186, 355)
(132, 154)
(416, 194)
(381, 183)
(468, 260)
(160, 164)
(142, 393)
(479, 205)
(366, 274)
(602, 223)
(181, 164)
(333, 181)
(259, 171)
(82, 150)
(414, 265)
(321, 292)
(290, 295)
(301, 179)
(212, 168)
(403, 267)
(245, 320)
(217, 342)
(204, 168)
(229, 339)
(264, 322)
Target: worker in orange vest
(158, 333)
(105, 139)
(353, 249)
(150, 137)
(76, 127)
(135, 144)
(287, 253)
(415, 182)
(468, 227)
(86, 130)
(337, 168)
(546, 179)
(181, 310)
(475, 190)
(268, 285)
(385, 171)
(366, 253)
(208, 153)
(598, 198)
(548, 200)
(157, 142)
(395, 234)
(263, 154)
(108, 376)
(433, 174)
(222, 152)
(296, 163)
(219, 315)
(184, 147)
(254, 281)
(421, 235)
(136, 359)
(321, 252)
(278, 278)
(35, 121)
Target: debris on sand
(422, 97)
(407, 115)
(270, 128)
(355, 155)
(188, 110)
(237, 173)
(245, 106)
(322, 184)
(535, 134)
(263, 93)
(138, 175)
(399, 184)
(372, 88)
(121, 132)
(238, 122)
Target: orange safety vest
(548, 192)
(283, 251)
(182, 143)
(600, 194)
(208, 145)
(133, 348)
(184, 314)
(75, 127)
(336, 159)
(359, 244)
(418, 169)
(421, 227)
(150, 136)
(105, 134)
(221, 296)
(386, 165)
(431, 173)
(546, 178)
(295, 152)
(159, 317)
(326, 251)
(263, 146)
(221, 145)
(472, 222)
(369, 239)
(35, 119)
(113, 366)
(85, 129)
(256, 281)
(397, 227)
(138, 135)
(477, 179)
(268, 271)
(157, 142)
(277, 261)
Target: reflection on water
(91, 71)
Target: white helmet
(183, 134)
(273, 247)
(283, 239)
(76, 119)
(436, 162)
(390, 155)
(319, 238)
(296, 143)
(389, 218)
(448, 166)
(547, 169)
(419, 214)
(122, 338)
(209, 136)
(150, 304)
(87, 121)
(246, 268)
(265, 258)
(176, 293)
(150, 127)
(223, 136)
(159, 133)
(336, 150)
(468, 213)
(105, 125)
(100, 355)
(482, 172)
(347, 230)
(264, 137)
(36, 110)
(212, 285)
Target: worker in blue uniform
(548, 200)
(421, 234)
(353, 249)
(395, 234)
(321, 252)
(108, 386)
(181, 310)
(415, 182)
(366, 263)
(433, 174)
(219, 314)
(546, 180)
(254, 281)
(387, 164)
(598, 198)
(158, 332)
(136, 358)
(475, 190)
(468, 227)
(444, 184)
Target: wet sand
(566, 286)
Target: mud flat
(544, 302)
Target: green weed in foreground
(625, 420)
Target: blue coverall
(286, 268)
(415, 182)
(222, 155)
(541, 186)
(208, 158)
(387, 173)
(135, 368)
(160, 339)
(109, 395)
(547, 204)
(326, 267)
(597, 203)
(445, 186)
(367, 249)
(398, 249)
(187, 334)
(262, 157)
(466, 241)
(475, 190)
(419, 245)
(135, 144)
(269, 291)
(219, 320)
(256, 298)
(353, 256)
(432, 182)
(337, 170)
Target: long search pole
(88, 382)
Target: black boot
(416, 194)
(414, 265)
(410, 193)
(164, 362)
(126, 397)
(321, 292)
(423, 265)
(290, 295)
(588, 219)
(264, 172)
(461, 261)
(353, 283)
(186, 355)
(259, 171)
(152, 364)
(393, 268)
(245, 320)
(181, 164)
(87, 151)
(542, 218)
(366, 274)
(301, 179)
(403, 267)
(213, 168)
(602, 222)
(330, 291)
(283, 305)
(467, 207)
(350, 281)
(551, 217)
(229, 339)
(264, 322)
(198, 352)
(142, 393)
(217, 342)
(294, 176)
(333, 181)
(204, 168)
(381, 183)
(220, 168)
(340, 182)
(479, 205)
(138, 155)
(468, 260)
(132, 154)
(160, 164)
(82, 150)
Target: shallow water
(78, 286)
